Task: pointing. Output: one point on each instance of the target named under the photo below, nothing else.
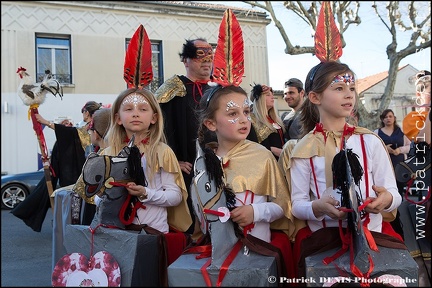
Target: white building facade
(92, 36)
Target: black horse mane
(136, 169)
(340, 176)
(215, 172)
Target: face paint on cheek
(249, 118)
(246, 103)
(231, 104)
(134, 99)
(233, 121)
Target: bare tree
(401, 17)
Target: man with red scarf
(179, 97)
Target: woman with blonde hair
(267, 127)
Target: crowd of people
(294, 188)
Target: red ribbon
(124, 207)
(214, 212)
(144, 141)
(37, 127)
(204, 251)
(225, 165)
(224, 268)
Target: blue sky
(365, 51)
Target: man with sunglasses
(294, 96)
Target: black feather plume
(257, 90)
(189, 50)
(136, 169)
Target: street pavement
(25, 254)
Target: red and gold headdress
(328, 43)
(228, 64)
(138, 71)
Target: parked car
(16, 187)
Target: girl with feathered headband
(248, 173)
(340, 176)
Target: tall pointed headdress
(138, 70)
(228, 64)
(328, 43)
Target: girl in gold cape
(249, 169)
(308, 163)
(136, 112)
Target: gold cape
(169, 89)
(315, 145)
(84, 136)
(178, 216)
(262, 131)
(250, 166)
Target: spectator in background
(67, 123)
(294, 96)
(74, 144)
(98, 128)
(179, 98)
(87, 112)
(398, 145)
(67, 159)
(267, 127)
(354, 118)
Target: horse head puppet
(212, 202)
(106, 177)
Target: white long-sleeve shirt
(380, 173)
(264, 213)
